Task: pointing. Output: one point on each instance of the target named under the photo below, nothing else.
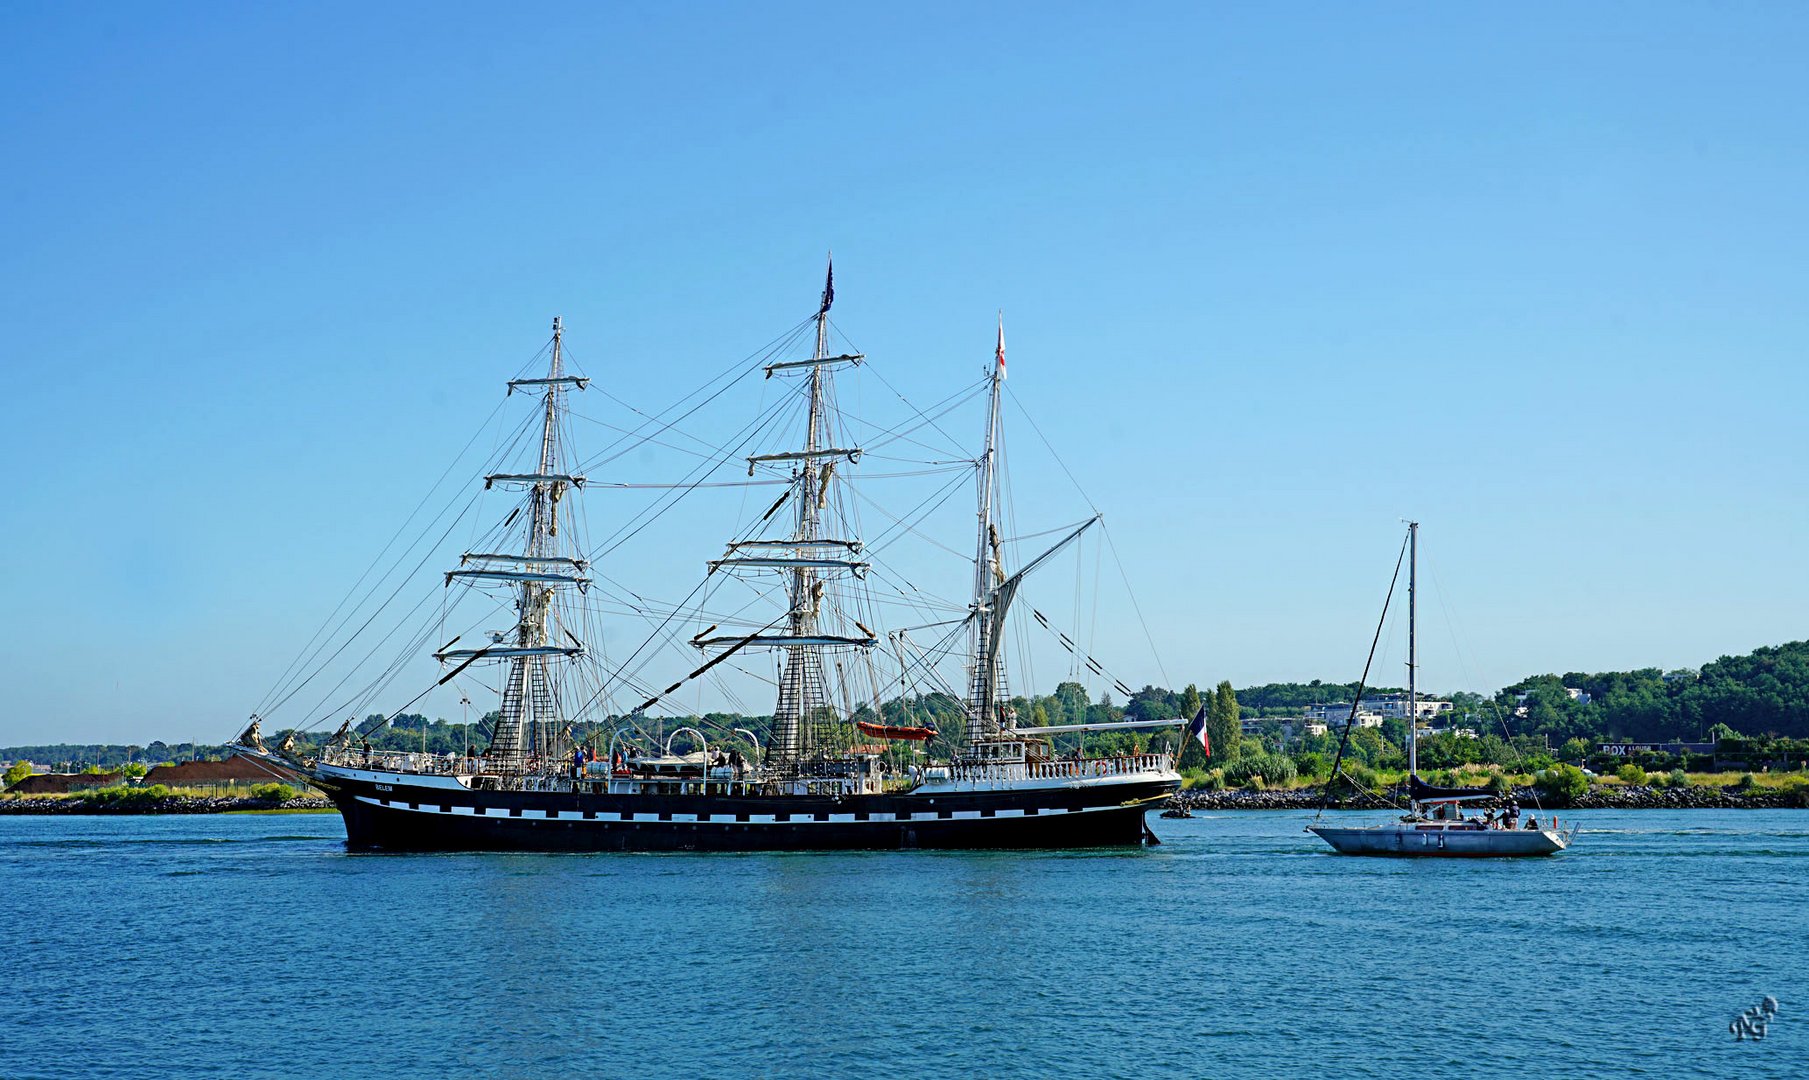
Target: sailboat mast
(986, 559)
(1413, 709)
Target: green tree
(1222, 723)
(1150, 703)
(1261, 769)
(1073, 700)
(1562, 784)
(19, 771)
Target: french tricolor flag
(1196, 730)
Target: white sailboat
(1435, 825)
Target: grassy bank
(160, 799)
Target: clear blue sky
(1276, 277)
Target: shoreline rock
(1629, 798)
(174, 804)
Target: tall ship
(842, 763)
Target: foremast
(528, 729)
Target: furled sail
(1008, 589)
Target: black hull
(401, 817)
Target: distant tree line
(1764, 692)
(1761, 697)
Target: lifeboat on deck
(894, 731)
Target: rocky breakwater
(1597, 798)
(1250, 799)
(1690, 798)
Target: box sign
(1628, 749)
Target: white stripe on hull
(612, 817)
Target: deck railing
(402, 761)
(1083, 769)
(549, 776)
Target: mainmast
(1413, 710)
(802, 688)
(809, 560)
(989, 574)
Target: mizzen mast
(989, 572)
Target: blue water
(254, 946)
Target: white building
(1394, 706)
(1334, 715)
(1581, 697)
(1337, 712)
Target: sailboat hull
(403, 817)
(1412, 841)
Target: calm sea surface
(254, 946)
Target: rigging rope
(1357, 698)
